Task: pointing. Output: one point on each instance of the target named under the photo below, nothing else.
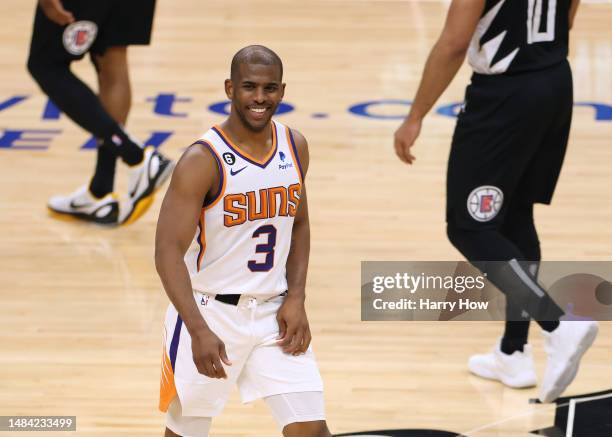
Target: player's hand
(208, 353)
(54, 10)
(293, 329)
(405, 136)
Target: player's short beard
(248, 125)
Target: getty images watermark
(450, 290)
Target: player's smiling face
(256, 94)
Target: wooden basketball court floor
(82, 306)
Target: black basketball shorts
(508, 145)
(99, 24)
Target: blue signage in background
(365, 109)
(165, 105)
(27, 139)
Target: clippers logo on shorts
(79, 36)
(484, 203)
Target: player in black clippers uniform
(506, 155)
(64, 31)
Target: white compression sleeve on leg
(287, 408)
(186, 426)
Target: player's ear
(282, 90)
(229, 88)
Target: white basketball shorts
(259, 366)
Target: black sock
(549, 325)
(103, 179)
(515, 337)
(129, 150)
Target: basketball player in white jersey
(506, 155)
(232, 248)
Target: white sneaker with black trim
(83, 205)
(565, 347)
(145, 179)
(516, 370)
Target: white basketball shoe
(516, 370)
(564, 347)
(145, 179)
(83, 205)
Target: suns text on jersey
(264, 204)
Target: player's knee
(473, 243)
(456, 235)
(481, 233)
(316, 428)
(45, 71)
(112, 66)
(36, 67)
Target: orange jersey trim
(222, 174)
(249, 157)
(296, 158)
(202, 238)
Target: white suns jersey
(244, 232)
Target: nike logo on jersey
(267, 203)
(234, 173)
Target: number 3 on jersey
(267, 248)
(534, 21)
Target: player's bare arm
(294, 331)
(442, 65)
(572, 12)
(194, 176)
(54, 10)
